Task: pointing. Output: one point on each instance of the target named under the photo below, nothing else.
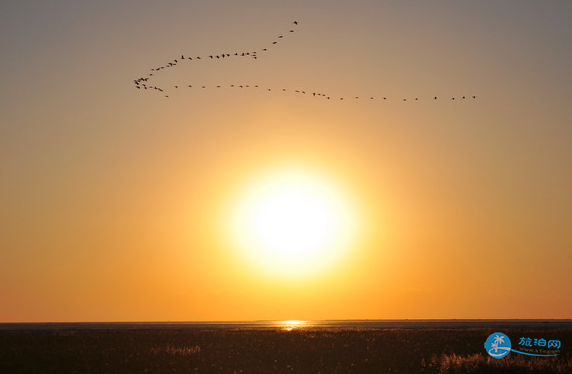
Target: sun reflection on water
(292, 324)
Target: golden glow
(292, 222)
(292, 324)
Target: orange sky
(113, 201)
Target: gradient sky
(112, 199)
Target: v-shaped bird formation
(145, 82)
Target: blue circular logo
(498, 345)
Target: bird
(274, 42)
(295, 22)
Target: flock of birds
(144, 83)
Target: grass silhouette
(271, 350)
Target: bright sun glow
(292, 223)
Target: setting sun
(292, 222)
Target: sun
(292, 222)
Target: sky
(115, 201)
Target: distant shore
(320, 324)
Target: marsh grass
(316, 351)
(481, 364)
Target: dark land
(443, 346)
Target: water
(292, 325)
